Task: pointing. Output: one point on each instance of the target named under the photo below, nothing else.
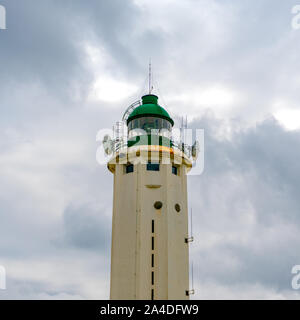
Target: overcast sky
(69, 68)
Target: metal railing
(130, 109)
(121, 144)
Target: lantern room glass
(145, 125)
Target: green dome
(149, 108)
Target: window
(152, 260)
(158, 205)
(148, 123)
(152, 244)
(152, 166)
(177, 207)
(152, 278)
(129, 168)
(175, 170)
(152, 226)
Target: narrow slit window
(152, 294)
(152, 226)
(152, 278)
(175, 170)
(152, 260)
(152, 243)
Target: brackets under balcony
(190, 292)
(189, 239)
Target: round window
(158, 205)
(177, 207)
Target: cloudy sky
(69, 68)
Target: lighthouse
(150, 240)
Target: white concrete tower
(150, 249)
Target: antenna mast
(193, 290)
(150, 77)
(190, 238)
(192, 222)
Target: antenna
(187, 240)
(190, 238)
(192, 222)
(192, 290)
(193, 276)
(150, 77)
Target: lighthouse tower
(150, 242)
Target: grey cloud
(38, 47)
(44, 41)
(33, 290)
(86, 227)
(247, 198)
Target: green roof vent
(150, 99)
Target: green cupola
(150, 108)
(149, 124)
